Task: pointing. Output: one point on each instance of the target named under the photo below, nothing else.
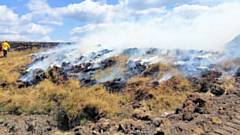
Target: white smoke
(184, 27)
(67, 54)
(166, 77)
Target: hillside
(148, 98)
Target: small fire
(85, 65)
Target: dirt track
(223, 120)
(228, 109)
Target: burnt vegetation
(118, 96)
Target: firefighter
(5, 48)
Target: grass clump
(169, 95)
(97, 97)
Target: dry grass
(166, 97)
(97, 97)
(62, 133)
(229, 85)
(170, 95)
(73, 98)
(11, 65)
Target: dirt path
(229, 112)
(224, 119)
(26, 125)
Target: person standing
(5, 48)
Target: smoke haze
(183, 27)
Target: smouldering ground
(40, 99)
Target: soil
(26, 125)
(200, 114)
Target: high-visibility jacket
(5, 46)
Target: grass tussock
(97, 97)
(167, 96)
(71, 96)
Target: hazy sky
(206, 22)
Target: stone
(141, 115)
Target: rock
(26, 125)
(217, 90)
(209, 82)
(195, 104)
(202, 104)
(133, 127)
(157, 122)
(188, 110)
(103, 126)
(141, 115)
(215, 87)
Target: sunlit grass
(10, 66)
(40, 99)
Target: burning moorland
(131, 67)
(111, 91)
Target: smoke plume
(185, 27)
